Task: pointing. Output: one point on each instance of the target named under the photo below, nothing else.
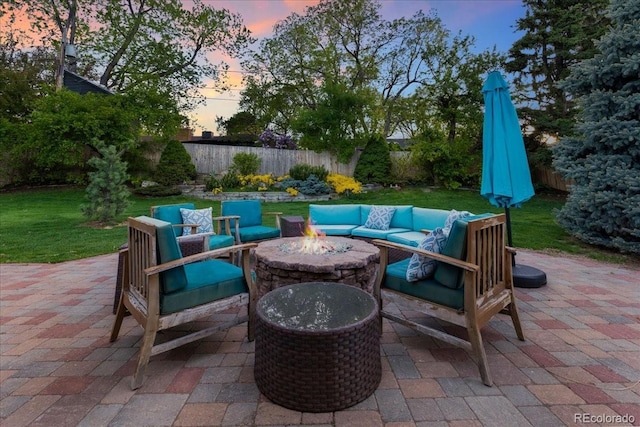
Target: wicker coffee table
(317, 346)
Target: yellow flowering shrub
(292, 191)
(217, 190)
(343, 184)
(260, 182)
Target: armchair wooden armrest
(438, 257)
(219, 220)
(194, 227)
(197, 257)
(277, 215)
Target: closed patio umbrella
(506, 179)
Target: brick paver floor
(580, 363)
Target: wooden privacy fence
(217, 159)
(550, 178)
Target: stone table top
(360, 254)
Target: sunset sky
(491, 22)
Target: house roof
(81, 85)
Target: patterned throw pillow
(380, 217)
(202, 217)
(454, 215)
(421, 267)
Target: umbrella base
(525, 276)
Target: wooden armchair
(219, 237)
(249, 227)
(161, 289)
(472, 283)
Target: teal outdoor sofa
(408, 224)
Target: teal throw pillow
(421, 267)
(202, 217)
(379, 217)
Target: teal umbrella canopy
(506, 179)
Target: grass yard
(47, 225)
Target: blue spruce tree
(603, 207)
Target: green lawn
(47, 225)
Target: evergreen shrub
(107, 192)
(175, 165)
(312, 186)
(374, 164)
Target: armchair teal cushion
(196, 283)
(456, 247)
(249, 211)
(250, 223)
(258, 232)
(206, 281)
(169, 250)
(171, 213)
(426, 289)
(219, 241)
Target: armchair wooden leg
(478, 349)
(115, 330)
(515, 318)
(143, 359)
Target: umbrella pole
(524, 276)
(507, 213)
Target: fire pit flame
(314, 242)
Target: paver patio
(581, 360)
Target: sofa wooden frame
(488, 289)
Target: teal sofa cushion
(409, 238)
(171, 213)
(428, 219)
(207, 281)
(258, 232)
(372, 233)
(402, 216)
(426, 289)
(335, 215)
(169, 250)
(456, 247)
(336, 230)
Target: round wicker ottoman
(317, 346)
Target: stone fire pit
(277, 264)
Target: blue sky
(491, 22)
